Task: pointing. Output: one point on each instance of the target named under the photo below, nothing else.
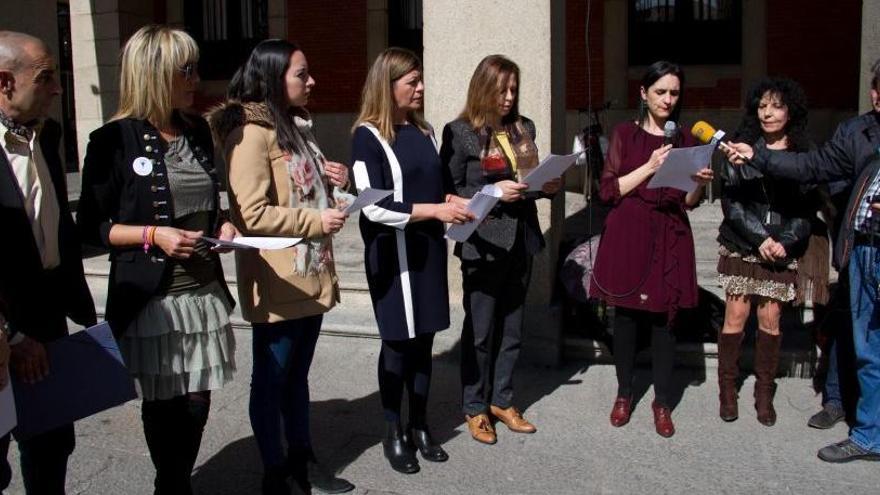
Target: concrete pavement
(574, 451)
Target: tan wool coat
(269, 287)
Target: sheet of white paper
(366, 198)
(8, 419)
(255, 242)
(550, 168)
(480, 205)
(680, 165)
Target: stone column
(377, 29)
(754, 42)
(870, 49)
(278, 19)
(614, 27)
(96, 39)
(457, 35)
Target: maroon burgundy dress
(645, 258)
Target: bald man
(41, 273)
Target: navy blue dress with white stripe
(405, 261)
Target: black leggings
(173, 430)
(628, 325)
(406, 363)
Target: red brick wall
(333, 35)
(817, 44)
(576, 95)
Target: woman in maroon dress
(645, 264)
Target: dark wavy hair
(792, 95)
(656, 71)
(261, 80)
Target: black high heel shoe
(398, 453)
(420, 437)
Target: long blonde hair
(489, 79)
(149, 60)
(377, 98)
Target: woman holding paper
(491, 143)
(645, 264)
(763, 239)
(393, 148)
(280, 184)
(149, 192)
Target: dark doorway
(405, 25)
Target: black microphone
(669, 132)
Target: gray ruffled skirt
(181, 343)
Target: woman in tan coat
(280, 184)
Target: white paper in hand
(367, 197)
(551, 167)
(8, 419)
(255, 242)
(680, 165)
(480, 205)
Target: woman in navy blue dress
(404, 248)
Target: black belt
(866, 239)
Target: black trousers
(629, 325)
(491, 337)
(406, 363)
(43, 460)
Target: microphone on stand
(707, 134)
(669, 131)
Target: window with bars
(227, 31)
(705, 32)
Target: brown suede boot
(766, 363)
(728, 371)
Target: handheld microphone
(706, 134)
(669, 131)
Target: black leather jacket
(757, 207)
(851, 155)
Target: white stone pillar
(870, 49)
(95, 38)
(457, 35)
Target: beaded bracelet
(149, 237)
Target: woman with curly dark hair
(763, 237)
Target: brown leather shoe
(663, 420)
(513, 419)
(621, 411)
(481, 428)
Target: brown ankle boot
(766, 363)
(728, 371)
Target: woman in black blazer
(149, 193)
(490, 143)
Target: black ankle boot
(398, 453)
(297, 468)
(275, 481)
(324, 481)
(420, 437)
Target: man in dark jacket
(41, 272)
(851, 154)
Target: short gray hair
(12, 52)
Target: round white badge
(142, 166)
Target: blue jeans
(864, 275)
(841, 386)
(283, 354)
